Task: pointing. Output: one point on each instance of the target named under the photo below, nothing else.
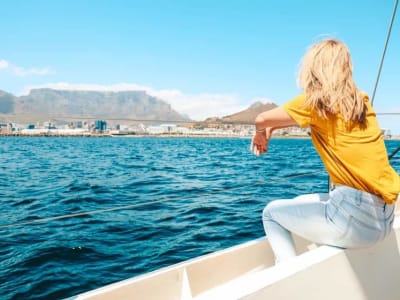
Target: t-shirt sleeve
(298, 111)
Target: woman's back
(354, 155)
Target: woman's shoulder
(365, 96)
(296, 101)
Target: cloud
(196, 106)
(3, 64)
(22, 72)
(263, 100)
(201, 106)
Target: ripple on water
(212, 192)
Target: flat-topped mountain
(127, 104)
(50, 103)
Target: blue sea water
(193, 196)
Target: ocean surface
(185, 196)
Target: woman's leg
(346, 218)
(361, 217)
(304, 215)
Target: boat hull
(247, 271)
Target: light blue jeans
(345, 217)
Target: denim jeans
(344, 217)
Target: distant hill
(7, 101)
(42, 104)
(128, 104)
(246, 116)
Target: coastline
(107, 135)
(97, 135)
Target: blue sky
(207, 58)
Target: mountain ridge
(109, 104)
(245, 116)
(125, 104)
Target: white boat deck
(247, 271)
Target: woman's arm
(274, 118)
(266, 123)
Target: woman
(358, 211)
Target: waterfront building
(100, 126)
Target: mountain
(7, 101)
(42, 104)
(246, 116)
(127, 104)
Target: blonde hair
(326, 76)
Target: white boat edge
(247, 271)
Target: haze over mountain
(100, 104)
(129, 104)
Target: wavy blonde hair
(326, 76)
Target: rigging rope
(217, 122)
(384, 51)
(381, 63)
(380, 69)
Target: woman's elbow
(259, 119)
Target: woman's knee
(269, 208)
(266, 215)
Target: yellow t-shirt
(353, 156)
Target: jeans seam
(348, 215)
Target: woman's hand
(269, 120)
(260, 141)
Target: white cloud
(32, 71)
(201, 106)
(22, 72)
(3, 64)
(263, 100)
(196, 106)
